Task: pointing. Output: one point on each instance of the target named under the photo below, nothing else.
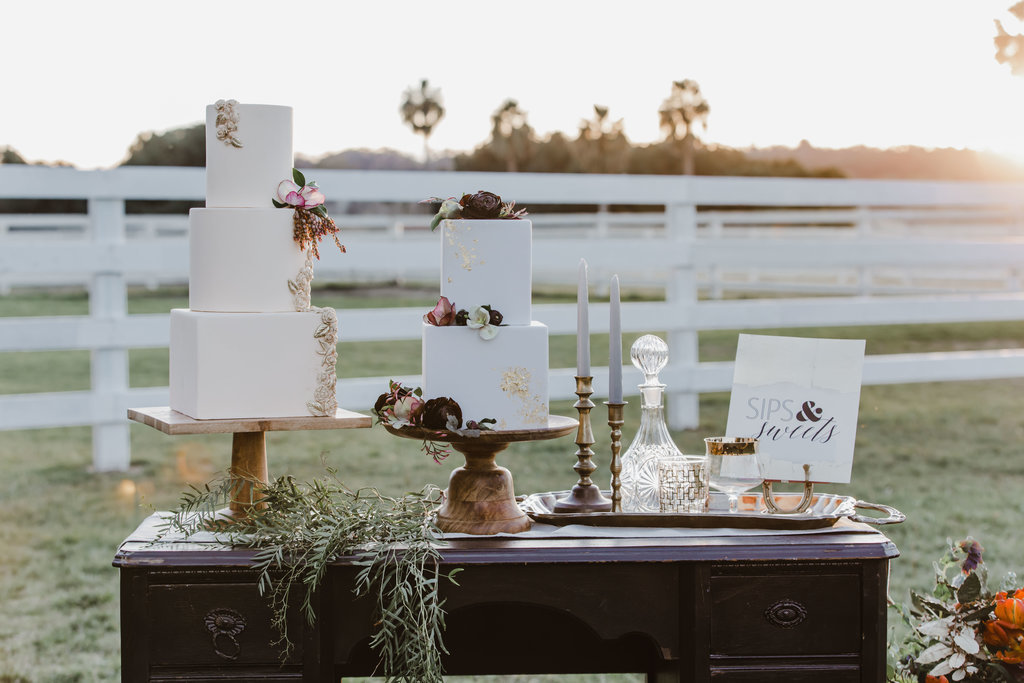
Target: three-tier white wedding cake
(250, 345)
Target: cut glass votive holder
(683, 484)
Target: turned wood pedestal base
(480, 498)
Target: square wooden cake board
(248, 445)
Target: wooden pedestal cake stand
(480, 498)
(248, 445)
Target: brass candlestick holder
(585, 496)
(615, 421)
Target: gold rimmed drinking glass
(733, 466)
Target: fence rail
(948, 251)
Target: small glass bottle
(639, 475)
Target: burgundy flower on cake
(442, 413)
(442, 315)
(480, 205)
(483, 204)
(403, 407)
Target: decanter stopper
(649, 354)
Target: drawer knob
(224, 624)
(785, 613)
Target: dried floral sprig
(311, 221)
(304, 527)
(482, 205)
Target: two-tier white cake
(488, 263)
(249, 345)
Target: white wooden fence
(725, 232)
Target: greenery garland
(299, 529)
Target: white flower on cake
(480, 319)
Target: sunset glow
(877, 72)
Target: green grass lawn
(946, 454)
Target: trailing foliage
(299, 529)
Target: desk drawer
(785, 614)
(213, 624)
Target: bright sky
(81, 79)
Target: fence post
(682, 403)
(864, 228)
(111, 444)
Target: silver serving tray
(825, 510)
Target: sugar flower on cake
(480, 319)
(399, 406)
(311, 221)
(480, 205)
(442, 315)
(483, 319)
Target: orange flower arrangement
(961, 632)
(1004, 634)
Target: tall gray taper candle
(615, 346)
(582, 324)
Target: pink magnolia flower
(305, 197)
(407, 410)
(442, 315)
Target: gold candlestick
(585, 496)
(615, 421)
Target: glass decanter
(639, 475)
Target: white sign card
(799, 397)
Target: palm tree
(511, 135)
(1010, 47)
(683, 108)
(422, 110)
(602, 145)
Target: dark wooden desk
(799, 609)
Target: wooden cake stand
(248, 445)
(480, 498)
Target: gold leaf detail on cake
(227, 122)
(464, 254)
(516, 383)
(325, 401)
